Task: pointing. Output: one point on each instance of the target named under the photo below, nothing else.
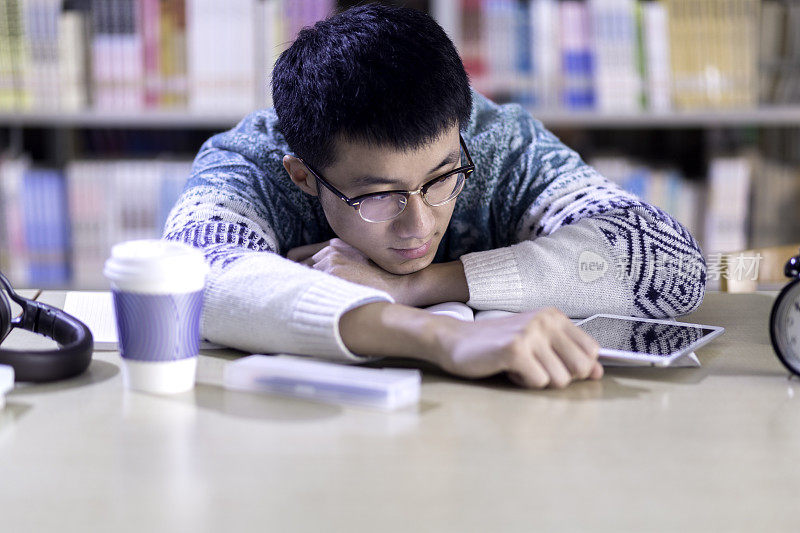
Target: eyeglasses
(386, 205)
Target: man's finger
(597, 371)
(579, 363)
(302, 253)
(528, 372)
(317, 257)
(584, 340)
(560, 376)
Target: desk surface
(715, 448)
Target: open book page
(493, 313)
(462, 311)
(457, 310)
(96, 310)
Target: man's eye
(379, 197)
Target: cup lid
(152, 258)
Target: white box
(387, 389)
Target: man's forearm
(439, 282)
(393, 330)
(522, 345)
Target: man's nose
(416, 221)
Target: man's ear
(300, 175)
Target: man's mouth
(414, 253)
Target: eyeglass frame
(356, 201)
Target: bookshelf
(738, 121)
(766, 117)
(121, 119)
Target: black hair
(382, 75)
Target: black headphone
(75, 340)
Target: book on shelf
(221, 60)
(500, 21)
(117, 55)
(727, 208)
(45, 213)
(779, 52)
(172, 81)
(577, 67)
(614, 31)
(34, 215)
(13, 256)
(72, 60)
(13, 54)
(41, 73)
(545, 64)
(150, 21)
(770, 46)
(655, 56)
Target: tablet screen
(644, 337)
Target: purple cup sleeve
(158, 327)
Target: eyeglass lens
(383, 207)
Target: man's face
(408, 242)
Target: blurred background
(694, 105)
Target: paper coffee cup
(157, 287)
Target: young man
(313, 253)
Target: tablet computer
(646, 340)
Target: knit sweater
(534, 226)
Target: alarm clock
(784, 321)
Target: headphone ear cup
(5, 315)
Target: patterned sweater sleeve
(578, 241)
(255, 299)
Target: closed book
(46, 228)
(772, 33)
(150, 33)
(729, 185)
(72, 62)
(41, 81)
(8, 55)
(274, 41)
(117, 56)
(617, 82)
(12, 173)
(544, 55)
(172, 53)
(15, 93)
(576, 56)
(655, 42)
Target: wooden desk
(715, 448)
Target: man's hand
(338, 258)
(536, 349)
